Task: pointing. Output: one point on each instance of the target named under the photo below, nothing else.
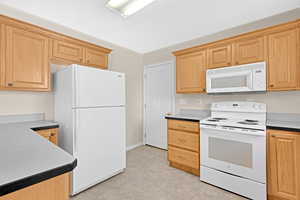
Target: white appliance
(233, 148)
(242, 78)
(90, 108)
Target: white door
(96, 87)
(159, 100)
(99, 145)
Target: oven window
(233, 152)
(229, 82)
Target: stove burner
(251, 120)
(248, 123)
(219, 118)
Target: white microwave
(241, 78)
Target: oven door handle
(233, 130)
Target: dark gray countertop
(279, 121)
(25, 154)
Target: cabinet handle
(80, 59)
(236, 62)
(52, 134)
(229, 63)
(203, 90)
(181, 126)
(271, 85)
(88, 61)
(10, 84)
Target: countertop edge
(184, 119)
(282, 128)
(45, 127)
(274, 127)
(37, 178)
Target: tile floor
(148, 177)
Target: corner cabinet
(50, 134)
(190, 72)
(284, 60)
(283, 165)
(26, 60)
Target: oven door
(229, 81)
(231, 151)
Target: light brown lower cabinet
(183, 145)
(56, 188)
(283, 165)
(50, 134)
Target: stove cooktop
(239, 123)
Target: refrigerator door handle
(75, 132)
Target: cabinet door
(2, 55)
(68, 51)
(191, 73)
(283, 165)
(249, 51)
(27, 64)
(50, 134)
(220, 56)
(96, 58)
(284, 69)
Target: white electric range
(233, 148)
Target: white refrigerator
(90, 109)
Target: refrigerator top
(90, 87)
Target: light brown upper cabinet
(283, 165)
(190, 72)
(284, 69)
(96, 58)
(26, 52)
(67, 50)
(249, 50)
(26, 60)
(220, 56)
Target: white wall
(122, 60)
(285, 102)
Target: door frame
(173, 85)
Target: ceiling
(161, 24)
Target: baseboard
(134, 146)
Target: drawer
(184, 157)
(183, 125)
(183, 139)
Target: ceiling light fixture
(127, 7)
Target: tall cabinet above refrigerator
(90, 108)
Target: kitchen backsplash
(277, 102)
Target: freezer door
(95, 87)
(99, 146)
